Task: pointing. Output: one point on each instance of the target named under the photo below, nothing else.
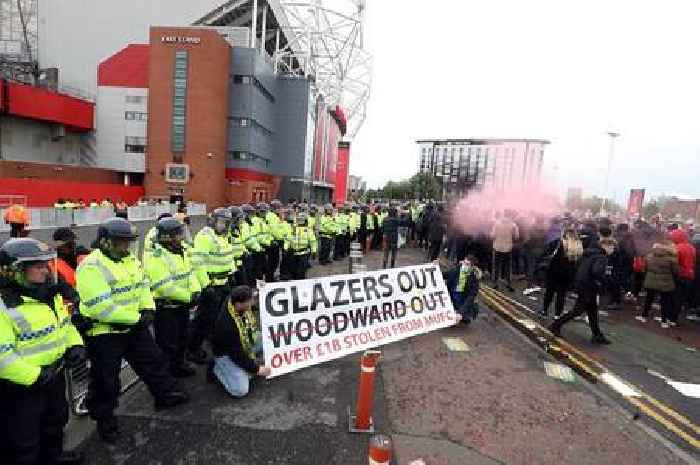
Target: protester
(661, 272)
(627, 251)
(235, 344)
(390, 227)
(612, 291)
(463, 284)
(686, 272)
(565, 255)
(504, 233)
(436, 232)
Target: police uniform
(262, 234)
(115, 296)
(37, 341)
(277, 230)
(249, 238)
(300, 244)
(327, 230)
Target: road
(493, 404)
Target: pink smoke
(475, 213)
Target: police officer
(286, 263)
(37, 341)
(150, 236)
(277, 230)
(312, 219)
(250, 239)
(116, 298)
(214, 261)
(262, 232)
(327, 229)
(176, 289)
(240, 251)
(300, 244)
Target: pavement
(493, 404)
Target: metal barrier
(77, 380)
(47, 218)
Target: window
(136, 99)
(238, 79)
(135, 116)
(179, 112)
(250, 158)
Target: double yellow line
(590, 369)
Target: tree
(652, 208)
(426, 186)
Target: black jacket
(561, 271)
(592, 273)
(437, 228)
(226, 341)
(390, 228)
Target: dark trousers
(390, 249)
(555, 289)
(16, 230)
(240, 276)
(286, 266)
(637, 283)
(377, 238)
(33, 419)
(170, 327)
(249, 269)
(259, 264)
(683, 297)
(106, 353)
(501, 266)
(339, 251)
(586, 303)
(324, 255)
(434, 250)
(362, 239)
(210, 304)
(298, 266)
(273, 261)
(667, 307)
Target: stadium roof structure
(319, 39)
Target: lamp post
(613, 136)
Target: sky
(564, 71)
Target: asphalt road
(493, 404)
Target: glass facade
(179, 116)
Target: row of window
(249, 122)
(135, 116)
(243, 79)
(250, 158)
(136, 99)
(178, 121)
(129, 148)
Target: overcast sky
(565, 71)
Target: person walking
(588, 282)
(115, 297)
(504, 233)
(391, 226)
(662, 270)
(686, 273)
(37, 343)
(176, 290)
(565, 255)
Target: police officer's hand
(46, 376)
(145, 319)
(75, 356)
(264, 371)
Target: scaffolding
(19, 39)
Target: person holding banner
(236, 342)
(300, 245)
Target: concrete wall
(31, 141)
(292, 112)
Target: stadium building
(236, 107)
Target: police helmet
(313, 207)
(247, 209)
(168, 227)
(262, 207)
(117, 228)
(236, 213)
(328, 208)
(289, 216)
(24, 250)
(276, 204)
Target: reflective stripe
(42, 347)
(165, 281)
(107, 312)
(106, 272)
(28, 336)
(6, 361)
(107, 295)
(17, 317)
(6, 348)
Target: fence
(49, 218)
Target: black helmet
(164, 215)
(247, 209)
(289, 216)
(218, 214)
(63, 236)
(117, 228)
(25, 250)
(313, 207)
(276, 204)
(328, 208)
(168, 227)
(262, 207)
(236, 213)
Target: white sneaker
(657, 318)
(672, 324)
(640, 318)
(664, 325)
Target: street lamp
(613, 136)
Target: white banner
(308, 322)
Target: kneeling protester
(236, 342)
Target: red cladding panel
(247, 175)
(342, 172)
(40, 104)
(44, 193)
(126, 68)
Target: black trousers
(362, 239)
(210, 304)
(259, 264)
(273, 261)
(667, 304)
(33, 419)
(16, 229)
(435, 249)
(324, 253)
(298, 266)
(249, 268)
(377, 238)
(240, 276)
(170, 327)
(285, 266)
(586, 303)
(106, 353)
(338, 253)
(555, 289)
(390, 249)
(502, 266)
